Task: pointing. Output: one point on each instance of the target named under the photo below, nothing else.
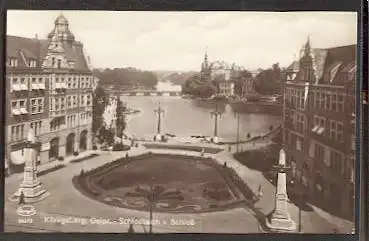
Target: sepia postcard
(180, 122)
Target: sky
(177, 41)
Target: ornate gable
(55, 56)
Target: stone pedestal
(158, 137)
(215, 139)
(31, 187)
(279, 219)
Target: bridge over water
(148, 93)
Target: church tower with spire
(205, 69)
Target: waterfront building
(221, 74)
(319, 125)
(49, 89)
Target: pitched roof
(37, 49)
(337, 61)
(293, 67)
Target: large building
(319, 125)
(49, 89)
(220, 73)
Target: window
(336, 131)
(300, 122)
(59, 63)
(88, 100)
(74, 83)
(299, 143)
(13, 62)
(340, 103)
(69, 83)
(334, 102)
(82, 100)
(36, 127)
(62, 103)
(37, 105)
(319, 155)
(328, 101)
(69, 101)
(337, 162)
(74, 101)
(17, 132)
(53, 62)
(32, 63)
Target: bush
(94, 148)
(75, 153)
(61, 158)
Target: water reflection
(185, 117)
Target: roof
(293, 67)
(337, 61)
(37, 49)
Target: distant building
(49, 89)
(220, 74)
(319, 124)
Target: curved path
(68, 204)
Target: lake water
(186, 117)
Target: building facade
(319, 125)
(49, 89)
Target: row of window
(330, 101)
(333, 129)
(17, 132)
(19, 107)
(84, 119)
(13, 62)
(296, 96)
(336, 160)
(38, 82)
(59, 103)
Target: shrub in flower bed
(121, 147)
(75, 153)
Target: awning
(315, 129)
(41, 86)
(23, 87)
(34, 86)
(15, 112)
(64, 85)
(16, 87)
(17, 158)
(58, 86)
(320, 130)
(23, 111)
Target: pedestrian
(21, 199)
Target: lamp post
(151, 199)
(159, 111)
(237, 114)
(216, 114)
(301, 197)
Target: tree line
(126, 77)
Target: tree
(270, 81)
(121, 122)
(196, 87)
(240, 79)
(100, 101)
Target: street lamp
(237, 114)
(151, 200)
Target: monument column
(279, 219)
(31, 187)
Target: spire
(307, 48)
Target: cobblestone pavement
(67, 203)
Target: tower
(205, 69)
(61, 28)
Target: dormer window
(13, 62)
(32, 63)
